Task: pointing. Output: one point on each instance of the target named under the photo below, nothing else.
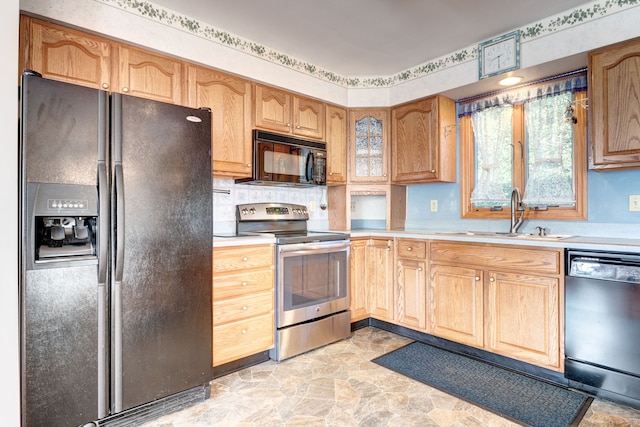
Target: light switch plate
(634, 202)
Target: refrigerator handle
(103, 253)
(119, 243)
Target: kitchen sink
(506, 234)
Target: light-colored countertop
(221, 242)
(572, 242)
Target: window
(532, 138)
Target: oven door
(312, 281)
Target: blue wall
(608, 208)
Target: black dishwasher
(602, 323)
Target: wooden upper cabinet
(148, 75)
(66, 55)
(336, 130)
(308, 117)
(423, 141)
(369, 146)
(229, 99)
(60, 53)
(614, 106)
(284, 112)
(272, 109)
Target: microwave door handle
(308, 172)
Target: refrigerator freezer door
(61, 302)
(162, 273)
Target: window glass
(549, 142)
(493, 130)
(536, 143)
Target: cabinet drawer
(242, 258)
(490, 256)
(233, 309)
(243, 338)
(408, 248)
(232, 285)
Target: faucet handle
(541, 230)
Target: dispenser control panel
(57, 204)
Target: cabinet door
(358, 280)
(272, 109)
(150, 76)
(336, 130)
(424, 141)
(235, 340)
(456, 304)
(70, 56)
(415, 136)
(229, 99)
(308, 118)
(523, 313)
(380, 278)
(614, 106)
(410, 294)
(368, 139)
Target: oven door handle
(315, 247)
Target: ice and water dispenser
(62, 223)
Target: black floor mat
(518, 397)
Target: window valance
(568, 82)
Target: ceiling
(357, 38)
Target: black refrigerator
(115, 255)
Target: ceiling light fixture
(510, 81)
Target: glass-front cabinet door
(369, 145)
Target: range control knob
(244, 211)
(252, 211)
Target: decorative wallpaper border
(149, 10)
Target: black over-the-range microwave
(284, 160)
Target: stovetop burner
(287, 222)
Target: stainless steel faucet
(516, 206)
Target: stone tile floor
(338, 385)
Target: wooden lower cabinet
(380, 278)
(456, 301)
(357, 280)
(371, 279)
(524, 314)
(243, 302)
(411, 283)
(504, 299)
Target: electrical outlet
(353, 206)
(634, 202)
(312, 206)
(434, 206)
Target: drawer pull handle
(409, 248)
(477, 278)
(245, 259)
(419, 268)
(492, 279)
(244, 283)
(244, 308)
(244, 331)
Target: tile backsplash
(224, 205)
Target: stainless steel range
(312, 277)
